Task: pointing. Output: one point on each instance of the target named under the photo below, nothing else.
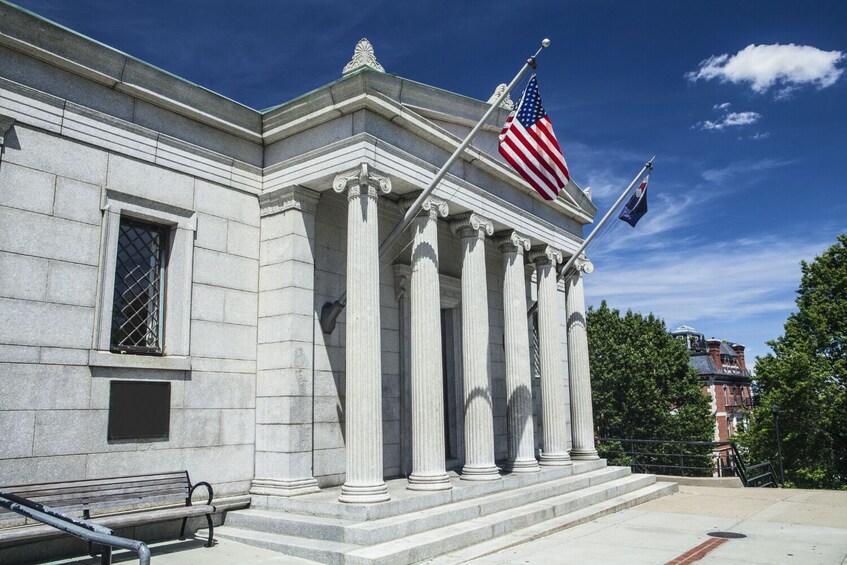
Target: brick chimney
(739, 350)
(715, 352)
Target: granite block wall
(53, 406)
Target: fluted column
(554, 425)
(479, 420)
(518, 378)
(428, 452)
(582, 414)
(363, 413)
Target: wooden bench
(117, 502)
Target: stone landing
(470, 520)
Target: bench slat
(105, 492)
(178, 475)
(80, 486)
(42, 531)
(136, 487)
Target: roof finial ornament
(363, 56)
(507, 102)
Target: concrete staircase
(471, 520)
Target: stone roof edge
(386, 98)
(40, 38)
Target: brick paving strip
(697, 553)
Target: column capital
(432, 206)
(361, 180)
(472, 224)
(583, 265)
(513, 242)
(292, 197)
(545, 254)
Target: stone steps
(271, 521)
(492, 519)
(322, 551)
(386, 529)
(432, 543)
(536, 531)
(404, 501)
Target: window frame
(181, 225)
(164, 235)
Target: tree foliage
(806, 377)
(642, 385)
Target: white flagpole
(648, 166)
(331, 310)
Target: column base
(555, 460)
(283, 487)
(429, 482)
(523, 466)
(486, 473)
(364, 494)
(584, 454)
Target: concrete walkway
(781, 525)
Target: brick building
(726, 380)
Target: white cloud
(724, 106)
(732, 119)
(741, 168)
(766, 66)
(741, 289)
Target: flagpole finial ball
(545, 42)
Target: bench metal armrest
(208, 488)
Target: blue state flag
(637, 205)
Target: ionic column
(479, 420)
(582, 414)
(363, 378)
(518, 378)
(554, 425)
(428, 452)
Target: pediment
(425, 121)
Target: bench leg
(211, 530)
(106, 555)
(182, 529)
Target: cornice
(288, 198)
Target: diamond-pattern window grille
(536, 346)
(138, 308)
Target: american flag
(528, 143)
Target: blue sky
(744, 105)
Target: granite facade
(257, 389)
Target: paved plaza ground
(782, 526)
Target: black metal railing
(94, 534)
(687, 459)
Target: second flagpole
(648, 166)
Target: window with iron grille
(138, 308)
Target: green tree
(806, 377)
(642, 385)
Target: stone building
(165, 255)
(726, 380)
